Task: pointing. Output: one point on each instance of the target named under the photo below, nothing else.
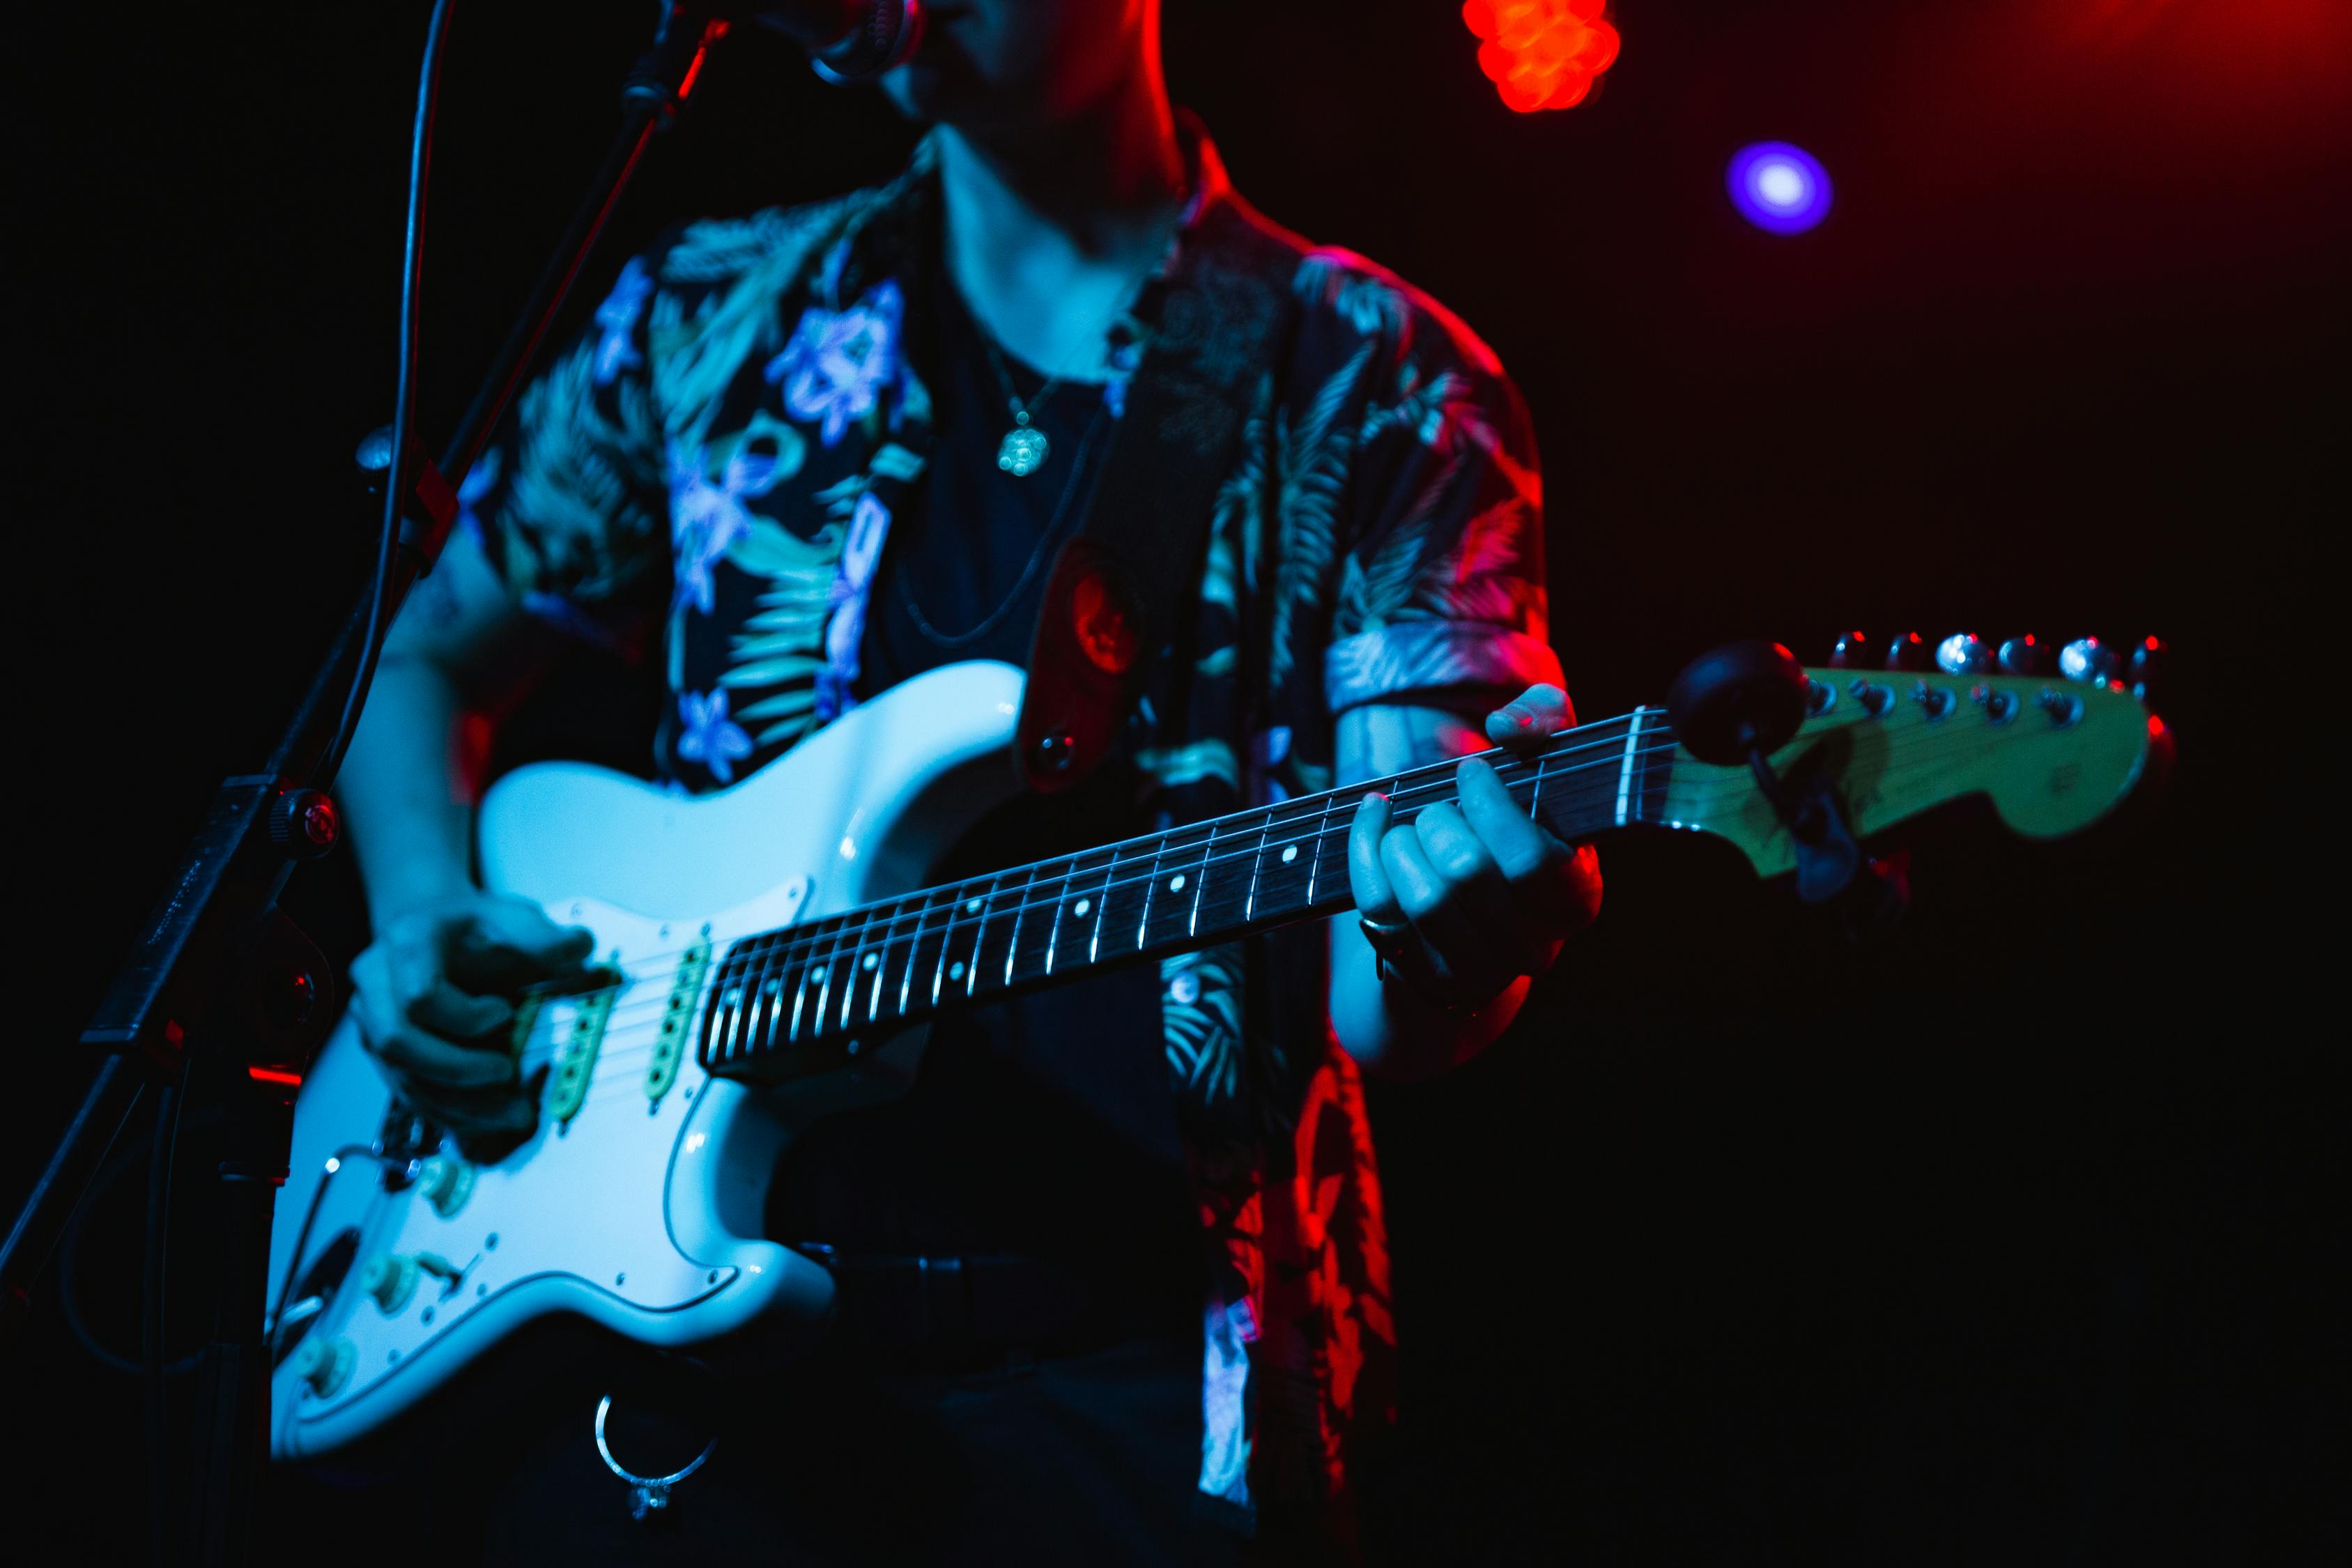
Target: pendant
(1023, 449)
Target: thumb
(1531, 717)
(521, 928)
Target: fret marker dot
(972, 907)
(1289, 853)
(1176, 883)
(872, 959)
(955, 969)
(817, 974)
(1082, 906)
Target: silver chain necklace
(1023, 449)
(953, 640)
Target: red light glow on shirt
(1541, 54)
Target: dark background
(2012, 1239)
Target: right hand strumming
(433, 997)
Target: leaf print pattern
(1202, 1020)
(740, 418)
(1312, 458)
(616, 317)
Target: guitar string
(1408, 798)
(803, 940)
(1713, 788)
(801, 944)
(628, 1072)
(1217, 905)
(604, 1080)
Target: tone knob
(2089, 659)
(445, 1183)
(1908, 653)
(2028, 654)
(1964, 653)
(389, 1279)
(2148, 668)
(323, 1365)
(1853, 652)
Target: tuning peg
(1908, 652)
(2028, 654)
(1964, 653)
(1853, 652)
(2089, 659)
(2148, 666)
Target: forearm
(405, 791)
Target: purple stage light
(1779, 188)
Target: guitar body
(762, 951)
(641, 1209)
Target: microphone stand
(221, 993)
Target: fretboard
(787, 1001)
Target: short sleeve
(1441, 586)
(568, 500)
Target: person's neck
(1048, 238)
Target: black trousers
(1088, 1458)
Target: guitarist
(805, 455)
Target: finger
(442, 1009)
(1367, 881)
(1445, 930)
(1531, 717)
(1542, 872)
(518, 941)
(439, 1063)
(472, 1110)
(1475, 889)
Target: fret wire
(1258, 860)
(759, 1021)
(1102, 906)
(1592, 797)
(1053, 937)
(1020, 911)
(1402, 795)
(844, 967)
(979, 933)
(1201, 883)
(1325, 833)
(1150, 886)
(800, 996)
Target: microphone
(848, 41)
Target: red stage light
(1541, 54)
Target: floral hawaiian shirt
(720, 455)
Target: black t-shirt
(1043, 1125)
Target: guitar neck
(793, 1000)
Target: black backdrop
(2010, 1239)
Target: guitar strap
(1122, 588)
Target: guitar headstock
(2053, 754)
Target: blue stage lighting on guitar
(1779, 188)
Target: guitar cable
(403, 407)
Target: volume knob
(389, 1279)
(323, 1365)
(445, 1183)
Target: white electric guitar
(764, 951)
